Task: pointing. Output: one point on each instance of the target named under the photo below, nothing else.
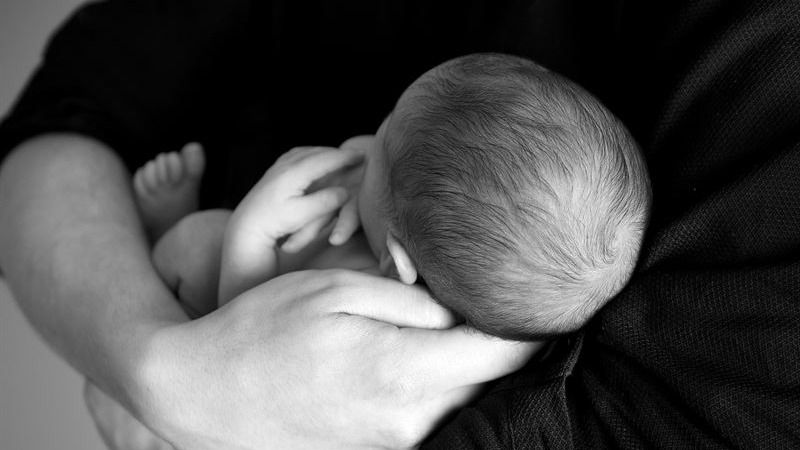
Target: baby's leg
(188, 259)
(187, 251)
(167, 188)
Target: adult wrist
(151, 390)
(179, 385)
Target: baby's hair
(521, 199)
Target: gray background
(40, 396)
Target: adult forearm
(77, 261)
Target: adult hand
(118, 428)
(319, 359)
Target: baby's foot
(167, 188)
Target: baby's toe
(174, 168)
(194, 160)
(162, 172)
(139, 184)
(150, 175)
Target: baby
(513, 194)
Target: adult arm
(76, 258)
(77, 261)
(331, 357)
(130, 75)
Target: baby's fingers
(308, 208)
(323, 201)
(306, 235)
(311, 214)
(346, 223)
(316, 163)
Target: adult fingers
(463, 356)
(390, 301)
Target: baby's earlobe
(405, 267)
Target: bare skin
(76, 257)
(167, 188)
(78, 262)
(188, 254)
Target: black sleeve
(143, 76)
(702, 349)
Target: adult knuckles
(397, 426)
(395, 379)
(303, 283)
(337, 284)
(318, 291)
(407, 430)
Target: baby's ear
(402, 261)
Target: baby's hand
(282, 194)
(348, 220)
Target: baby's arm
(278, 207)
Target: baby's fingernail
(336, 238)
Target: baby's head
(518, 198)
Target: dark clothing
(702, 349)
